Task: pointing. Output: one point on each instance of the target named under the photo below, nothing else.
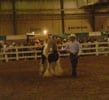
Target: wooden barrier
(34, 52)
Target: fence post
(6, 57)
(17, 56)
(108, 47)
(35, 53)
(1, 56)
(97, 46)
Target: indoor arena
(54, 49)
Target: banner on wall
(62, 36)
(106, 34)
(3, 38)
(16, 37)
(82, 35)
(94, 33)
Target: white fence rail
(33, 52)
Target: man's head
(72, 37)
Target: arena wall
(37, 16)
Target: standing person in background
(73, 48)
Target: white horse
(52, 66)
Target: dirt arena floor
(21, 81)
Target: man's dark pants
(74, 62)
